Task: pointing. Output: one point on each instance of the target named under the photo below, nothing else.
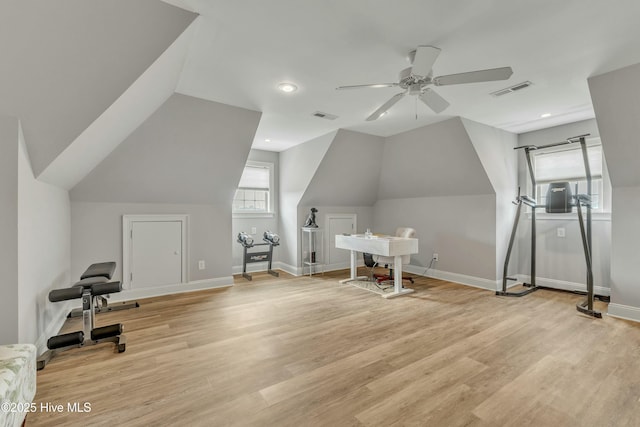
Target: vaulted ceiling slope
(65, 63)
(243, 49)
(189, 151)
(349, 172)
(433, 161)
(615, 99)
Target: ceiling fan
(416, 80)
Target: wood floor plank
(294, 351)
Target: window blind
(255, 178)
(567, 165)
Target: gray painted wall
(96, 235)
(297, 167)
(261, 223)
(561, 259)
(461, 229)
(432, 161)
(625, 249)
(615, 100)
(495, 148)
(189, 151)
(433, 180)
(187, 158)
(9, 230)
(91, 51)
(44, 253)
(349, 173)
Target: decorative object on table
(310, 222)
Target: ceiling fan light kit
(416, 80)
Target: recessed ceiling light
(545, 115)
(287, 87)
(267, 140)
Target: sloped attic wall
(296, 169)
(615, 98)
(80, 53)
(433, 180)
(186, 158)
(349, 172)
(346, 182)
(495, 149)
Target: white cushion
(17, 381)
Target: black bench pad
(101, 269)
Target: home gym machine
(101, 272)
(89, 335)
(559, 200)
(270, 239)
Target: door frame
(327, 218)
(127, 240)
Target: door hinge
(131, 277)
(132, 233)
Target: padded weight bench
(89, 335)
(100, 272)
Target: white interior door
(156, 253)
(338, 224)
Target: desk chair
(373, 261)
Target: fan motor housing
(406, 80)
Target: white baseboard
(198, 285)
(626, 312)
(295, 271)
(563, 285)
(476, 282)
(54, 326)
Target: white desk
(385, 246)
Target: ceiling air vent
(326, 116)
(511, 89)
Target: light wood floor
(309, 351)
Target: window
(566, 164)
(255, 191)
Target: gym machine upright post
(559, 200)
(270, 239)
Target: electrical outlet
(435, 256)
(201, 265)
(253, 230)
(560, 231)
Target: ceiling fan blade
(376, 85)
(434, 101)
(474, 76)
(423, 60)
(383, 109)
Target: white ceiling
(243, 49)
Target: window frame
(270, 211)
(603, 212)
